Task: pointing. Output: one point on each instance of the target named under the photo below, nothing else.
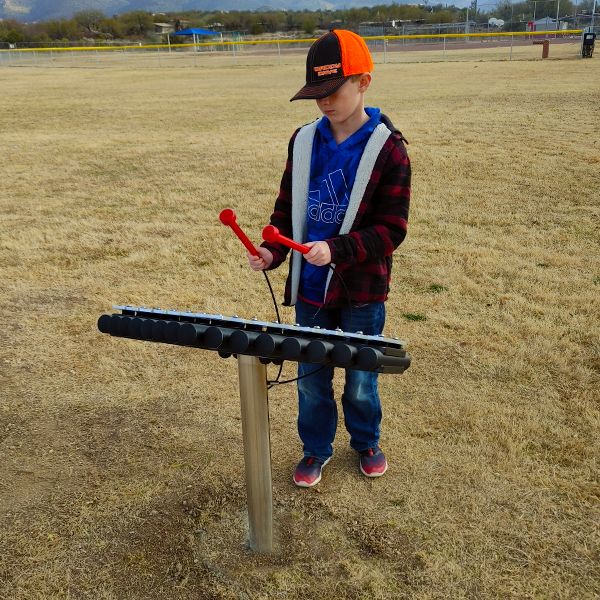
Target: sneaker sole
(307, 485)
(373, 474)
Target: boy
(345, 193)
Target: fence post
(279, 51)
(444, 47)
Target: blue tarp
(196, 32)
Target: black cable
(334, 270)
(272, 296)
(276, 380)
(274, 383)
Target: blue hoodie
(332, 171)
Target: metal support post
(257, 451)
(512, 8)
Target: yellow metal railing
(298, 41)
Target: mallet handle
(271, 234)
(227, 217)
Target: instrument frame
(261, 326)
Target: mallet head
(227, 216)
(270, 233)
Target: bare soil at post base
(122, 465)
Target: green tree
(90, 20)
(63, 29)
(12, 36)
(113, 28)
(440, 16)
(274, 21)
(137, 22)
(12, 32)
(309, 24)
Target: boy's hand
(319, 254)
(262, 262)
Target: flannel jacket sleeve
(282, 212)
(381, 222)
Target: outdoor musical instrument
(271, 342)
(255, 344)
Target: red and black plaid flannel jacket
(363, 257)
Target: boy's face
(347, 101)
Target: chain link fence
(437, 47)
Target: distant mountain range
(44, 10)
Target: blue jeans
(317, 414)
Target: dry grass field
(121, 462)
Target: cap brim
(316, 91)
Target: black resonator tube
(372, 359)
(190, 334)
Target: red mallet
(227, 217)
(271, 234)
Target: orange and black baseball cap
(331, 60)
